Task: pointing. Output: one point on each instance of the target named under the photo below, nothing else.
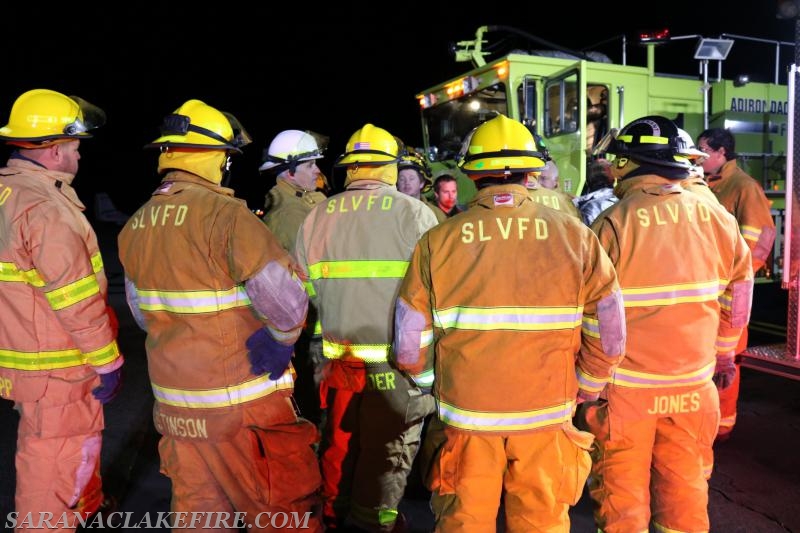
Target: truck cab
(570, 99)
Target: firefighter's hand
(315, 351)
(724, 372)
(585, 401)
(113, 320)
(267, 355)
(110, 384)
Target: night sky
(329, 69)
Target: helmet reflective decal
(652, 124)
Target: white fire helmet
(291, 147)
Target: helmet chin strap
(226, 170)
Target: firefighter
(695, 181)
(744, 198)
(600, 191)
(551, 196)
(222, 307)
(687, 283)
(354, 249)
(291, 159)
(414, 179)
(445, 193)
(60, 360)
(548, 176)
(507, 355)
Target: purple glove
(267, 355)
(109, 386)
(724, 372)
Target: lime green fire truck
(571, 99)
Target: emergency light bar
(654, 36)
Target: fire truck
(571, 99)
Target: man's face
(305, 175)
(547, 179)
(447, 195)
(409, 182)
(715, 159)
(68, 156)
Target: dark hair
(597, 176)
(717, 138)
(517, 178)
(441, 179)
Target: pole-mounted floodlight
(718, 50)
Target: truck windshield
(448, 123)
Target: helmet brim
(166, 142)
(511, 164)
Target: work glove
(724, 372)
(266, 355)
(109, 386)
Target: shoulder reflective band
(357, 269)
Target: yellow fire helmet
(42, 115)
(199, 139)
(370, 145)
(501, 147)
(198, 125)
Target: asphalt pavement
(755, 487)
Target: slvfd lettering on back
(505, 228)
(672, 213)
(157, 215)
(347, 204)
(548, 200)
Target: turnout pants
(268, 471)
(653, 458)
(539, 475)
(58, 452)
(371, 436)
(729, 397)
